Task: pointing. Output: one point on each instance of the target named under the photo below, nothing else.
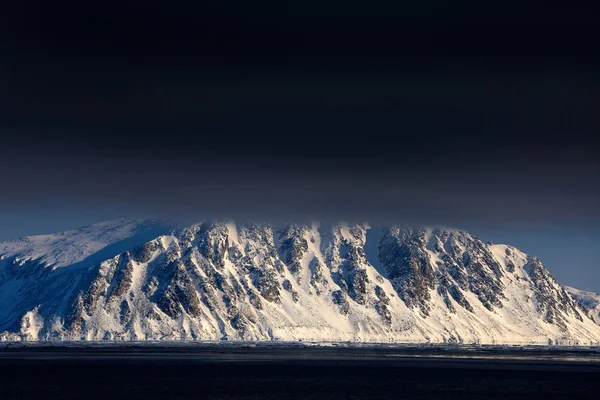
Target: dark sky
(468, 115)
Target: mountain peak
(69, 247)
(138, 279)
(589, 301)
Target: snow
(67, 248)
(517, 257)
(233, 233)
(314, 317)
(590, 300)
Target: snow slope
(133, 280)
(67, 248)
(590, 301)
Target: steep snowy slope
(219, 280)
(66, 248)
(589, 301)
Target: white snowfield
(67, 248)
(135, 280)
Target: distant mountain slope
(66, 248)
(590, 301)
(133, 280)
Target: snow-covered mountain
(137, 280)
(589, 301)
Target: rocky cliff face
(219, 280)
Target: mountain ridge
(589, 301)
(219, 280)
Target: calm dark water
(284, 374)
